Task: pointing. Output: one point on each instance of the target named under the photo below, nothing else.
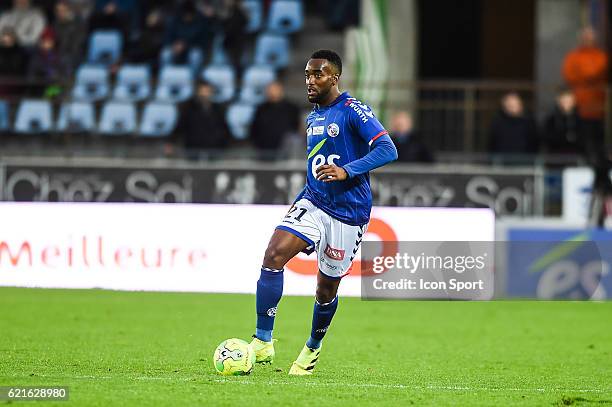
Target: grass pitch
(119, 348)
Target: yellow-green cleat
(305, 362)
(264, 351)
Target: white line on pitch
(242, 381)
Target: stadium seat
(34, 116)
(158, 119)
(254, 82)
(175, 84)
(91, 83)
(272, 49)
(133, 83)
(195, 58)
(254, 12)
(222, 78)
(286, 16)
(118, 118)
(4, 116)
(105, 47)
(239, 117)
(76, 117)
(218, 52)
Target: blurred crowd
(43, 40)
(47, 39)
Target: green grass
(119, 348)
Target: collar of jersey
(343, 96)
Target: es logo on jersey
(333, 130)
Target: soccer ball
(234, 357)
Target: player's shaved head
(331, 57)
(322, 75)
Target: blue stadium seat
(133, 83)
(91, 83)
(218, 52)
(175, 84)
(272, 49)
(254, 82)
(34, 116)
(239, 117)
(195, 58)
(286, 16)
(4, 116)
(158, 119)
(222, 78)
(76, 117)
(118, 118)
(105, 47)
(254, 12)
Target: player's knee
(325, 293)
(275, 257)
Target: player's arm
(382, 150)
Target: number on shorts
(292, 211)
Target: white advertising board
(186, 247)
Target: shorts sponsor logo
(271, 312)
(318, 130)
(327, 265)
(333, 130)
(334, 254)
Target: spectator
(188, 29)
(410, 148)
(512, 130)
(14, 58)
(585, 69)
(234, 21)
(561, 126)
(146, 49)
(27, 22)
(274, 120)
(70, 35)
(121, 15)
(202, 123)
(45, 64)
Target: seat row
(35, 116)
(157, 119)
(285, 17)
(175, 83)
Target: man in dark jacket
(512, 130)
(409, 146)
(562, 125)
(202, 122)
(274, 120)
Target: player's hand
(330, 173)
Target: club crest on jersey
(333, 130)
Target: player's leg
(326, 303)
(337, 250)
(282, 247)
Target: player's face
(320, 78)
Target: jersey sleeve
(364, 123)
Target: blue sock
(321, 318)
(269, 293)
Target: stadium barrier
(187, 247)
(553, 259)
(509, 191)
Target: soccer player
(331, 214)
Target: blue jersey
(338, 134)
